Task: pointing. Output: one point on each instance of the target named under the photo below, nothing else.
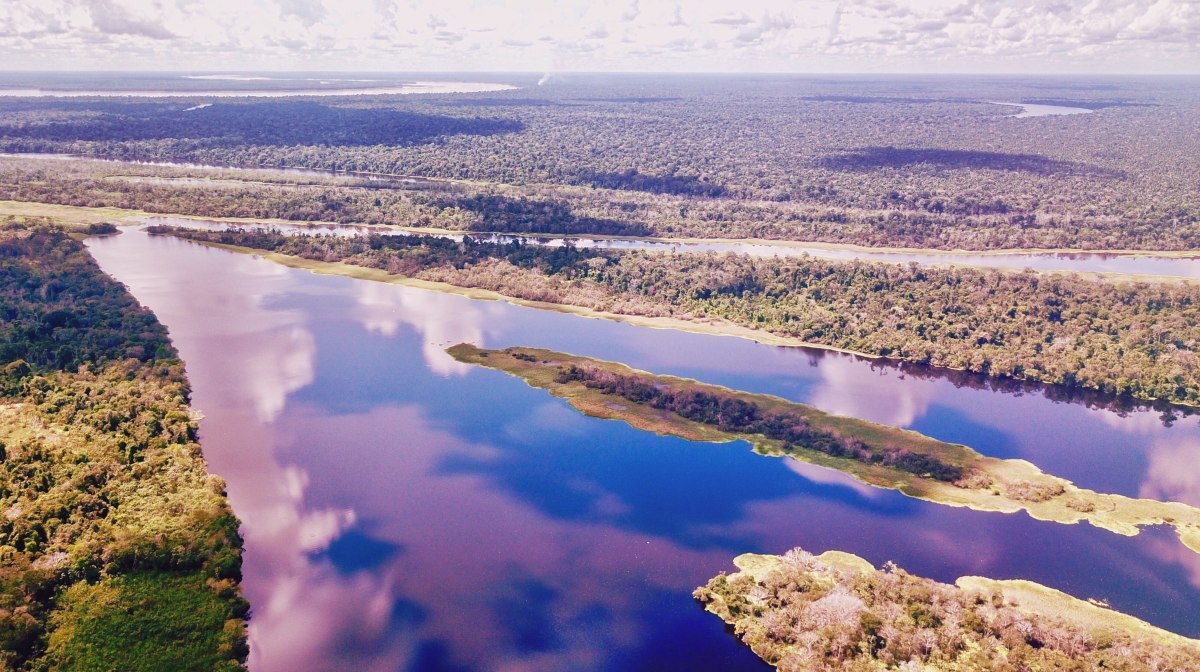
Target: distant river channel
(1146, 264)
(403, 511)
(1131, 264)
(304, 92)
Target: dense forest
(802, 613)
(731, 414)
(117, 549)
(919, 163)
(1127, 338)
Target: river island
(878, 455)
(835, 611)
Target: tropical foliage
(802, 613)
(880, 163)
(117, 549)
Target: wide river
(307, 92)
(404, 511)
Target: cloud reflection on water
(1173, 475)
(442, 321)
(1173, 472)
(887, 398)
(466, 547)
(828, 476)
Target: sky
(870, 36)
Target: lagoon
(1033, 110)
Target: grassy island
(878, 455)
(835, 611)
(1118, 337)
(118, 550)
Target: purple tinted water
(404, 511)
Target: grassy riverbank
(118, 551)
(835, 611)
(878, 455)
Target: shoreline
(712, 328)
(687, 240)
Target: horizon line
(534, 73)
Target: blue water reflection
(403, 511)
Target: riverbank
(120, 550)
(1067, 330)
(711, 327)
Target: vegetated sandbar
(835, 611)
(878, 455)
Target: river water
(307, 92)
(403, 511)
(1032, 110)
(1128, 264)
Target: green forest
(727, 158)
(1126, 338)
(118, 551)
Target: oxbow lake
(405, 511)
(1032, 110)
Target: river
(404, 511)
(305, 91)
(1144, 264)
(1072, 262)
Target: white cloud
(112, 18)
(663, 35)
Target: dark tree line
(55, 313)
(730, 414)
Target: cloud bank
(640, 35)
